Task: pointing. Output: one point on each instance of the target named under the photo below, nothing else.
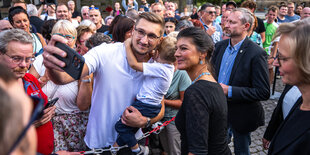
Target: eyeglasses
(210, 12)
(84, 14)
(280, 58)
(70, 38)
(90, 8)
(151, 37)
(18, 59)
(36, 115)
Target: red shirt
(45, 134)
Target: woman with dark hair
(46, 29)
(113, 23)
(202, 118)
(19, 19)
(170, 24)
(122, 29)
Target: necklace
(200, 75)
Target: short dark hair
(200, 39)
(273, 8)
(14, 11)
(153, 18)
(47, 28)
(231, 3)
(172, 20)
(97, 39)
(206, 5)
(60, 4)
(282, 5)
(249, 4)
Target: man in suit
(241, 69)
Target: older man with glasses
(207, 18)
(84, 12)
(16, 53)
(291, 16)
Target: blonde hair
(298, 39)
(65, 26)
(167, 49)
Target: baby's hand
(127, 42)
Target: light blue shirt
(135, 5)
(227, 64)
(289, 100)
(218, 19)
(292, 18)
(217, 35)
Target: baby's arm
(131, 58)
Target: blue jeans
(242, 141)
(127, 133)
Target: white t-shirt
(67, 93)
(48, 17)
(157, 81)
(115, 87)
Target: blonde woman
(69, 121)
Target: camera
(50, 2)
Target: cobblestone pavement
(256, 147)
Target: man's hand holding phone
(50, 61)
(59, 57)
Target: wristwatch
(148, 122)
(87, 80)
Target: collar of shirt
(205, 25)
(235, 48)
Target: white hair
(32, 10)
(13, 35)
(70, 2)
(87, 22)
(84, 7)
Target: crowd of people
(204, 70)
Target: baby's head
(167, 49)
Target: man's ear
(247, 26)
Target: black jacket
(250, 84)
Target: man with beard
(305, 13)
(241, 69)
(16, 52)
(115, 82)
(291, 16)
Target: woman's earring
(200, 62)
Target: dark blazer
(277, 115)
(293, 135)
(37, 22)
(250, 84)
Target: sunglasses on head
(90, 8)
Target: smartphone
(51, 103)
(74, 61)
